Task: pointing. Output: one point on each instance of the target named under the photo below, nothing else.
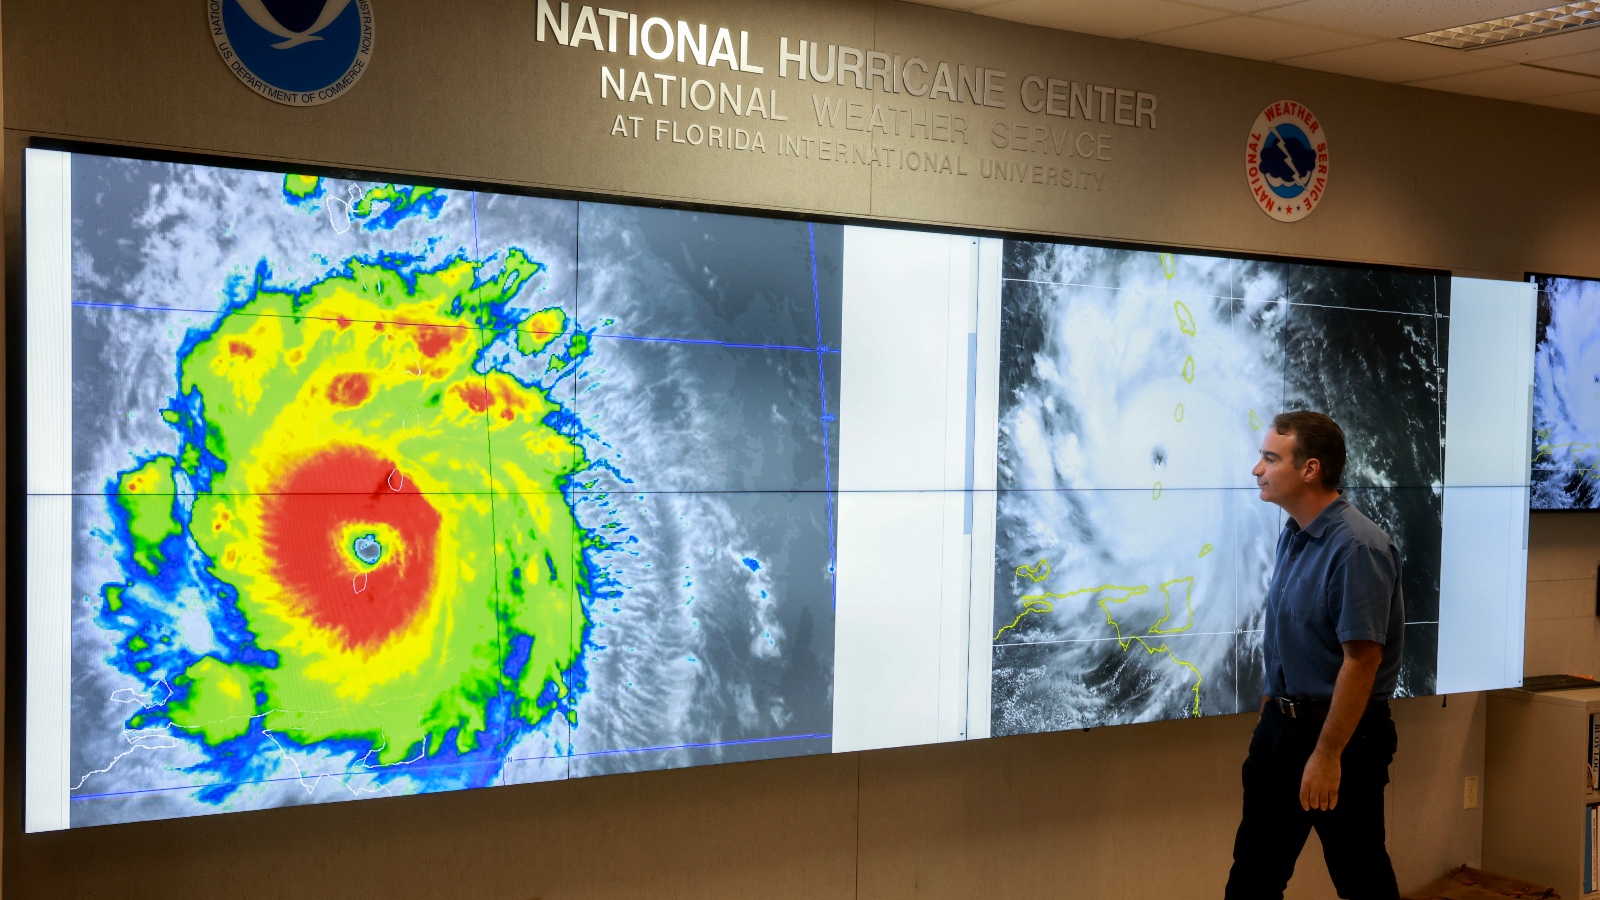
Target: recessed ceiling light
(1539, 23)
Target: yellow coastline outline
(1185, 318)
(1547, 451)
(1040, 604)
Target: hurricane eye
(368, 549)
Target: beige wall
(1139, 811)
(1563, 630)
(464, 90)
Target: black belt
(1303, 709)
(1314, 709)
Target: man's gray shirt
(1336, 580)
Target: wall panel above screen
(1566, 400)
(342, 489)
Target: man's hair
(1316, 436)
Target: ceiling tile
(1389, 18)
(1253, 38)
(1121, 19)
(1561, 44)
(1397, 61)
(1512, 83)
(1240, 6)
(1587, 101)
(1348, 37)
(1582, 63)
(955, 4)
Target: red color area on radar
(433, 340)
(304, 523)
(349, 389)
(475, 396)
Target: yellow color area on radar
(1255, 421)
(540, 329)
(1040, 604)
(1178, 413)
(301, 186)
(1169, 265)
(1188, 370)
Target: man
(1334, 620)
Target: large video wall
(343, 488)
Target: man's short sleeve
(1365, 589)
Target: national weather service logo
(297, 52)
(1286, 160)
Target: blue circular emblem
(1286, 161)
(296, 52)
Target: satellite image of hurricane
(385, 489)
(1566, 399)
(1132, 551)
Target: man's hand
(1319, 786)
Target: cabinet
(1536, 788)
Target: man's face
(1279, 479)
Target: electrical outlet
(1469, 796)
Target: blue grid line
(617, 337)
(435, 767)
(475, 254)
(709, 342)
(822, 393)
(665, 747)
(239, 312)
(494, 527)
(444, 766)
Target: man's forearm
(1351, 693)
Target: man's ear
(1313, 471)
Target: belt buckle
(1288, 707)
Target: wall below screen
(1563, 632)
(1137, 811)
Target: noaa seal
(297, 52)
(1286, 161)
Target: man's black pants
(1274, 827)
